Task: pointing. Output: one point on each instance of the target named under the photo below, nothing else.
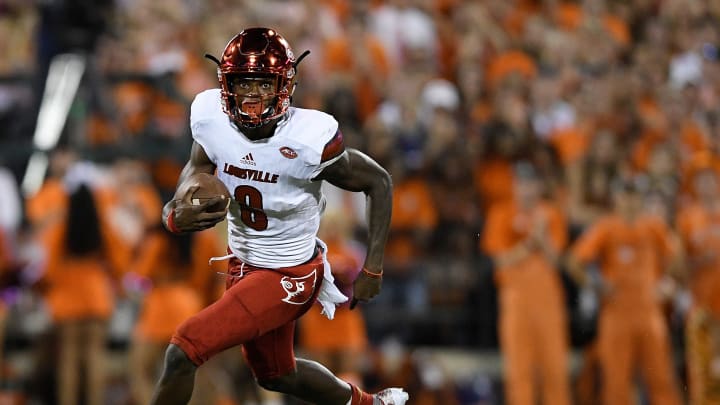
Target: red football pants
(258, 311)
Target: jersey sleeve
(202, 109)
(332, 151)
(323, 139)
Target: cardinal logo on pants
(295, 286)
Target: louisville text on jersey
(250, 174)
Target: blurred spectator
(632, 250)
(551, 114)
(49, 203)
(133, 201)
(698, 226)
(176, 282)
(525, 237)
(17, 22)
(357, 60)
(663, 172)
(423, 377)
(706, 159)
(342, 342)
(589, 180)
(671, 124)
(408, 33)
(506, 138)
(414, 218)
(11, 212)
(513, 65)
(6, 263)
(456, 202)
(82, 261)
(436, 90)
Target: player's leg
(177, 380)
(311, 374)
(275, 367)
(311, 382)
(226, 323)
(221, 325)
(273, 363)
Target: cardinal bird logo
(288, 152)
(295, 287)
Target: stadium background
(448, 95)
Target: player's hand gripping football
(189, 217)
(366, 286)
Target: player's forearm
(379, 211)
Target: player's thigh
(271, 355)
(276, 297)
(223, 324)
(261, 302)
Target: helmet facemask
(254, 108)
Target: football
(209, 187)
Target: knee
(285, 384)
(177, 362)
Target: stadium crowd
(556, 169)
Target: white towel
(329, 295)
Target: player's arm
(355, 171)
(179, 214)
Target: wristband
(371, 274)
(171, 222)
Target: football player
(272, 158)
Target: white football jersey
(275, 211)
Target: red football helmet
(257, 52)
